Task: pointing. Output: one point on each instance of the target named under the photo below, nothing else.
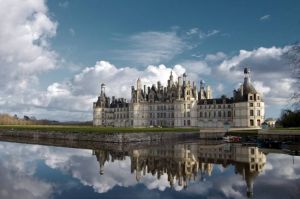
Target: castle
(181, 104)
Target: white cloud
(265, 17)
(192, 31)
(215, 57)
(201, 33)
(196, 69)
(152, 47)
(24, 51)
(271, 73)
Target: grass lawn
(74, 128)
(290, 129)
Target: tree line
(6, 119)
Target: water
(173, 170)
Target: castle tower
(208, 92)
(179, 88)
(171, 79)
(138, 90)
(138, 84)
(247, 76)
(202, 94)
(102, 90)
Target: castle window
(219, 114)
(184, 123)
(229, 113)
(201, 114)
(251, 113)
(224, 114)
(205, 114)
(219, 106)
(258, 104)
(258, 122)
(188, 114)
(188, 106)
(251, 97)
(188, 122)
(258, 112)
(251, 122)
(215, 114)
(228, 106)
(257, 97)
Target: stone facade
(181, 104)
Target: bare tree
(293, 57)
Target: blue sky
(100, 26)
(56, 53)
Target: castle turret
(102, 90)
(208, 93)
(138, 90)
(179, 87)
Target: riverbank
(90, 129)
(98, 134)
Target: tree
(289, 118)
(293, 57)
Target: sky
(55, 54)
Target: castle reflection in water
(183, 162)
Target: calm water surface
(177, 170)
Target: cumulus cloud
(25, 51)
(271, 73)
(24, 34)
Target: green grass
(290, 129)
(91, 129)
